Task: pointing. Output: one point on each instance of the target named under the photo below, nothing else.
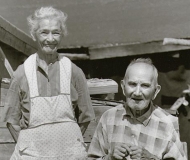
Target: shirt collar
(40, 63)
(144, 119)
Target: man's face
(48, 36)
(139, 86)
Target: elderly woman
(42, 93)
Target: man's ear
(123, 86)
(158, 88)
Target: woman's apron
(52, 132)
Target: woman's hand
(16, 128)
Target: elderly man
(139, 129)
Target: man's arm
(142, 154)
(175, 148)
(99, 145)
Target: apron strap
(65, 75)
(31, 75)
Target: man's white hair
(147, 61)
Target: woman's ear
(123, 86)
(158, 88)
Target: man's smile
(137, 99)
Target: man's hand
(139, 153)
(135, 152)
(120, 151)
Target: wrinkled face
(139, 86)
(48, 36)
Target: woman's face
(48, 36)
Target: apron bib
(52, 132)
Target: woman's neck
(48, 58)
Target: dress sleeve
(175, 148)
(12, 112)
(79, 82)
(99, 146)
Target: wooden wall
(14, 57)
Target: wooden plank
(99, 110)
(7, 143)
(12, 36)
(6, 151)
(16, 32)
(5, 136)
(133, 49)
(75, 56)
(97, 102)
(102, 86)
(90, 132)
(6, 63)
(16, 43)
(2, 33)
(176, 41)
(3, 92)
(1, 113)
(29, 50)
(3, 96)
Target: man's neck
(139, 113)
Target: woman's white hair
(45, 13)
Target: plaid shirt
(156, 131)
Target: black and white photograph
(94, 80)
